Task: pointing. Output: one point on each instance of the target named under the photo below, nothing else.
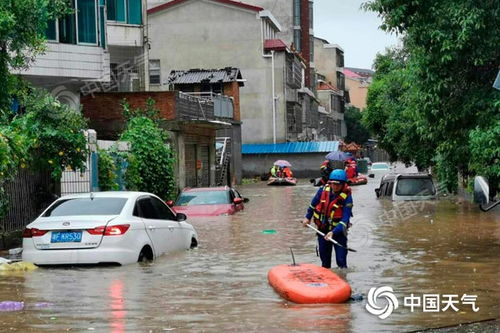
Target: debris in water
(269, 231)
(17, 250)
(11, 306)
(18, 266)
(42, 305)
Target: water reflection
(117, 306)
(448, 247)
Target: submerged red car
(209, 201)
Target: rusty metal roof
(193, 76)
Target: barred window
(154, 71)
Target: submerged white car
(379, 168)
(106, 227)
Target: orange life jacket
(327, 214)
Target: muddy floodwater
(443, 247)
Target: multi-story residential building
(296, 19)
(357, 81)
(76, 53)
(330, 89)
(236, 35)
(127, 45)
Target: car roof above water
(204, 189)
(107, 194)
(392, 176)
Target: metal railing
(205, 105)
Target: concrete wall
(358, 92)
(283, 12)
(325, 61)
(122, 34)
(325, 97)
(106, 114)
(71, 62)
(303, 165)
(127, 48)
(203, 34)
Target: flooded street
(439, 247)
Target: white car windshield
(380, 167)
(87, 206)
(203, 198)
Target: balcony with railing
(106, 114)
(204, 106)
(293, 71)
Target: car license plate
(66, 237)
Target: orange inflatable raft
(308, 283)
(282, 181)
(359, 180)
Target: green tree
(22, 37)
(150, 160)
(47, 136)
(484, 145)
(391, 114)
(452, 60)
(52, 133)
(356, 131)
(107, 171)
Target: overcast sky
(355, 30)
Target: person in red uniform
(287, 172)
(351, 168)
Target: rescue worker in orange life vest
(331, 209)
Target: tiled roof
(327, 86)
(290, 147)
(228, 74)
(361, 71)
(274, 44)
(351, 74)
(227, 2)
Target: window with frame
(164, 213)
(154, 71)
(79, 27)
(296, 12)
(87, 21)
(145, 208)
(51, 30)
(388, 191)
(125, 11)
(340, 81)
